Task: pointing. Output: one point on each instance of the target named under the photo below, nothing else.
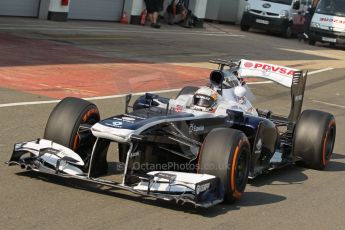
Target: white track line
(88, 98)
(330, 104)
(320, 71)
(134, 94)
(28, 103)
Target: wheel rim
(241, 170)
(76, 138)
(329, 143)
(91, 117)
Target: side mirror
(128, 99)
(146, 101)
(151, 96)
(296, 5)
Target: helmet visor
(203, 101)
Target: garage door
(108, 10)
(19, 7)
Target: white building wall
(241, 5)
(225, 10)
(198, 7)
(212, 9)
(55, 6)
(137, 7)
(228, 11)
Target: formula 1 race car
(200, 147)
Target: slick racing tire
(225, 153)
(188, 90)
(314, 138)
(64, 122)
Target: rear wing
(279, 74)
(288, 77)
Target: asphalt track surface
(289, 198)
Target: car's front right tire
(225, 153)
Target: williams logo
(196, 129)
(258, 147)
(202, 188)
(266, 5)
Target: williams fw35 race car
(200, 147)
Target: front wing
(45, 156)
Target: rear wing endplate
(299, 81)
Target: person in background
(313, 6)
(308, 16)
(153, 7)
(177, 12)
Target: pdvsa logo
(274, 69)
(267, 69)
(248, 64)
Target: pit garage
(27, 8)
(106, 10)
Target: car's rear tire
(64, 122)
(314, 138)
(225, 153)
(188, 90)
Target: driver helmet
(205, 99)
